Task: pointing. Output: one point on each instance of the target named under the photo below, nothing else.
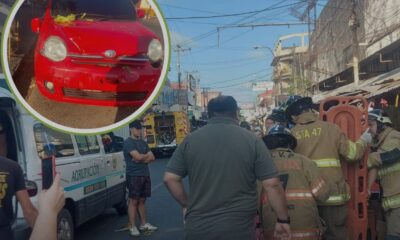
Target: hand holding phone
(48, 167)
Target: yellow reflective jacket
(325, 143)
(305, 186)
(389, 175)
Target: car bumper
(94, 84)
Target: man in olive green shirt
(223, 162)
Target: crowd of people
(291, 176)
(302, 191)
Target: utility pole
(178, 51)
(315, 32)
(294, 69)
(205, 93)
(354, 24)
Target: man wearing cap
(223, 162)
(137, 156)
(12, 183)
(384, 164)
(324, 143)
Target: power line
(230, 14)
(189, 9)
(237, 78)
(212, 32)
(241, 83)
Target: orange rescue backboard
(351, 115)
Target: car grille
(99, 95)
(108, 62)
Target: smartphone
(48, 172)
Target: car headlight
(155, 51)
(54, 49)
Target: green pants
(393, 222)
(335, 218)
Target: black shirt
(135, 168)
(11, 181)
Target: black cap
(222, 104)
(135, 124)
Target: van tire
(122, 207)
(65, 225)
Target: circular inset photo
(85, 66)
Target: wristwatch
(285, 221)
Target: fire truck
(166, 130)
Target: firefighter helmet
(279, 137)
(278, 115)
(380, 116)
(296, 105)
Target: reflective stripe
(391, 202)
(337, 199)
(388, 170)
(297, 195)
(327, 162)
(306, 234)
(352, 150)
(320, 184)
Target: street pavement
(162, 211)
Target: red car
(96, 52)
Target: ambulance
(92, 167)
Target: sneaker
(134, 231)
(148, 227)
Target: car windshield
(95, 9)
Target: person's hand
(53, 199)
(366, 136)
(282, 231)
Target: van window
(112, 143)
(59, 141)
(87, 144)
(8, 147)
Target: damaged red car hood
(95, 37)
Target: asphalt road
(162, 211)
(66, 114)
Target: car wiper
(89, 15)
(115, 18)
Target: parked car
(96, 52)
(92, 167)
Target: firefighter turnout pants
(335, 218)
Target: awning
(368, 88)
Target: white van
(92, 167)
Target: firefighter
(384, 164)
(324, 142)
(303, 183)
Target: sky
(227, 61)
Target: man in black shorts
(137, 156)
(12, 183)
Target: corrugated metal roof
(368, 88)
